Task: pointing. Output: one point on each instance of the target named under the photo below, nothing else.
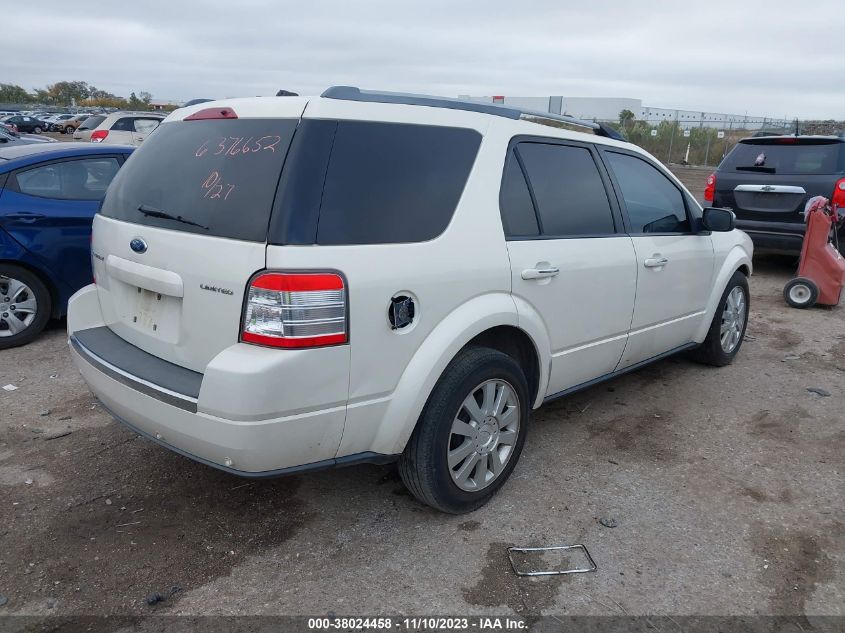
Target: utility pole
(672, 138)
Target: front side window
(568, 190)
(654, 203)
(85, 179)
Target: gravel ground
(725, 486)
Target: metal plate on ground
(591, 564)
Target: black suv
(766, 181)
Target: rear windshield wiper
(152, 212)
(760, 168)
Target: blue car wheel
(25, 306)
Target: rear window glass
(794, 159)
(91, 122)
(216, 177)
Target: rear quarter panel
(465, 270)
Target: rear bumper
(777, 237)
(206, 416)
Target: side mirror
(718, 220)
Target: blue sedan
(49, 193)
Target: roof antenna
(286, 93)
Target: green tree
(626, 118)
(11, 93)
(66, 92)
(136, 102)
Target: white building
(608, 109)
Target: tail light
(710, 188)
(295, 310)
(838, 198)
(98, 136)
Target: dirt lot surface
(725, 487)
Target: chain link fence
(701, 143)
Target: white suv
(126, 128)
(286, 284)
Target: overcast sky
(770, 58)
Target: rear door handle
(656, 262)
(540, 273)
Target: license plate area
(762, 202)
(154, 314)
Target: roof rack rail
(351, 93)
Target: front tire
(727, 330)
(36, 130)
(25, 306)
(470, 434)
(801, 292)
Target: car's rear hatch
(769, 179)
(183, 227)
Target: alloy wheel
(483, 435)
(18, 306)
(733, 319)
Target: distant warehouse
(608, 109)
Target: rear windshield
(786, 158)
(91, 122)
(214, 177)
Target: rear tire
(801, 292)
(727, 330)
(461, 453)
(69, 130)
(25, 306)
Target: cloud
(770, 58)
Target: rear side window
(393, 183)
(570, 195)
(653, 202)
(518, 216)
(125, 124)
(786, 158)
(217, 177)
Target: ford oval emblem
(138, 245)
